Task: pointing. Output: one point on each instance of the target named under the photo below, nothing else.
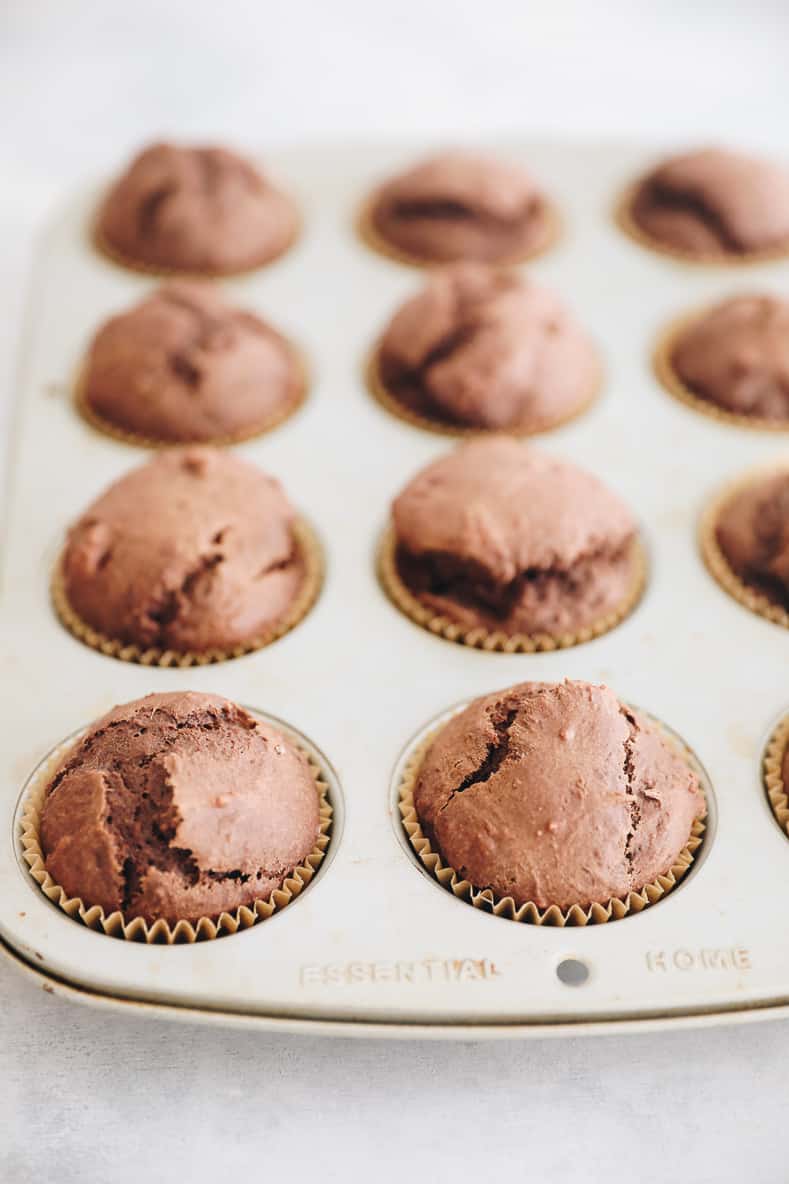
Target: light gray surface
(90, 1097)
(95, 1099)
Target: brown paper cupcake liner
(529, 912)
(370, 236)
(671, 381)
(390, 402)
(498, 641)
(161, 932)
(107, 428)
(774, 783)
(156, 656)
(718, 565)
(107, 251)
(623, 217)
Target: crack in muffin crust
(687, 202)
(483, 348)
(499, 536)
(502, 719)
(628, 768)
(460, 205)
(178, 806)
(752, 531)
(555, 794)
(203, 210)
(184, 366)
(712, 204)
(194, 551)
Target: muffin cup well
(669, 379)
(529, 912)
(774, 784)
(107, 251)
(718, 565)
(161, 931)
(369, 234)
(113, 647)
(390, 402)
(478, 637)
(624, 219)
(108, 428)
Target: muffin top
(753, 532)
(191, 551)
(715, 203)
(183, 366)
(508, 509)
(499, 537)
(462, 205)
(485, 348)
(557, 794)
(178, 806)
(195, 210)
(737, 356)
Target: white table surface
(87, 1096)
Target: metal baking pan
(373, 944)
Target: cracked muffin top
(557, 794)
(753, 533)
(488, 349)
(715, 203)
(736, 356)
(498, 534)
(192, 551)
(184, 366)
(195, 210)
(178, 806)
(462, 205)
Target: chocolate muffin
(461, 205)
(480, 348)
(202, 211)
(736, 357)
(752, 531)
(557, 794)
(714, 204)
(499, 536)
(178, 806)
(183, 366)
(194, 551)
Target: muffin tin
(373, 944)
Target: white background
(88, 1097)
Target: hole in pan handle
(572, 972)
